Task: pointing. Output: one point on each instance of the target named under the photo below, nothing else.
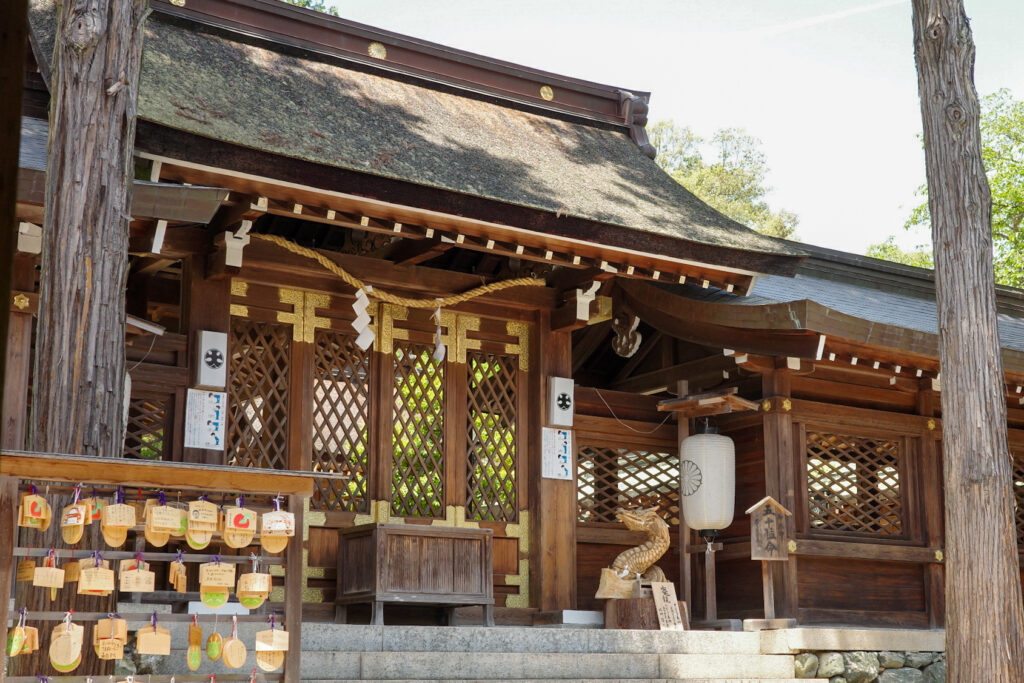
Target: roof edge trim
(297, 27)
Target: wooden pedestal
(637, 613)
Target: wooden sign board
(26, 571)
(217, 575)
(110, 648)
(151, 640)
(48, 577)
(138, 581)
(669, 618)
(202, 512)
(769, 540)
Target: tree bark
(984, 613)
(77, 404)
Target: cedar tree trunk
(77, 404)
(984, 614)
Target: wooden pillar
(13, 46)
(782, 476)
(931, 495)
(19, 356)
(9, 512)
(382, 406)
(552, 501)
(685, 559)
(300, 406)
(293, 582)
(206, 305)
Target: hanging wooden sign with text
(667, 606)
(769, 540)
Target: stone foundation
(868, 667)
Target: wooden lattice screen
(147, 429)
(417, 488)
(491, 437)
(1018, 494)
(609, 478)
(853, 483)
(341, 414)
(260, 354)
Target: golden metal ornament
(377, 50)
(21, 302)
(520, 330)
(547, 93)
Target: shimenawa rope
(387, 297)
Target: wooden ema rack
(187, 479)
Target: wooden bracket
(707, 404)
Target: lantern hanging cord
(629, 427)
(389, 298)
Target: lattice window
(260, 355)
(1018, 494)
(853, 483)
(491, 435)
(611, 478)
(417, 487)
(145, 433)
(341, 415)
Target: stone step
(586, 680)
(319, 637)
(471, 665)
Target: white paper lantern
(707, 481)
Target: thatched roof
(256, 94)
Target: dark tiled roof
(250, 95)
(870, 289)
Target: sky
(828, 86)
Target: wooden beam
(590, 339)
(672, 315)
(707, 403)
(230, 215)
(413, 251)
(151, 266)
(662, 379)
(153, 474)
(263, 259)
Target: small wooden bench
(414, 564)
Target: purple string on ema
(42, 678)
(119, 496)
(97, 556)
(32, 490)
(271, 620)
(216, 559)
(179, 557)
(154, 621)
(162, 497)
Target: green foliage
(316, 5)
(1002, 140)
(731, 177)
(890, 251)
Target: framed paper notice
(556, 451)
(205, 415)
